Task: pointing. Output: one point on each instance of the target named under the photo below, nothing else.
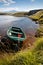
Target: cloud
(8, 9)
(7, 2)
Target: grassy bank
(32, 56)
(39, 32)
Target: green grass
(32, 56)
(37, 17)
(39, 32)
(38, 51)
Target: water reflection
(26, 24)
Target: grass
(37, 17)
(39, 32)
(32, 56)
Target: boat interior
(17, 32)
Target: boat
(16, 34)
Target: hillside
(31, 12)
(37, 17)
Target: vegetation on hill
(37, 17)
(31, 12)
(20, 14)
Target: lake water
(28, 26)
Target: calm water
(28, 26)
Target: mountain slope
(31, 12)
(37, 16)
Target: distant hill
(8, 12)
(13, 11)
(20, 14)
(3, 13)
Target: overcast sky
(20, 5)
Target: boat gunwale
(17, 38)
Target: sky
(20, 5)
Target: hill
(20, 14)
(31, 12)
(37, 16)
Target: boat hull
(18, 34)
